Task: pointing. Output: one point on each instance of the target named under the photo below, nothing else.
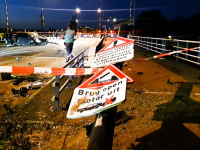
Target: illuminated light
(99, 31)
(78, 10)
(114, 20)
(76, 20)
(99, 10)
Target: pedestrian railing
(77, 62)
(192, 56)
(157, 45)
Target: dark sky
(25, 14)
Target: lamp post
(100, 19)
(74, 20)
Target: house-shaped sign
(118, 50)
(102, 91)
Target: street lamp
(78, 10)
(100, 18)
(99, 10)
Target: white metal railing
(192, 56)
(157, 45)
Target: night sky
(25, 14)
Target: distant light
(99, 10)
(169, 36)
(78, 10)
(76, 20)
(108, 20)
(99, 31)
(114, 20)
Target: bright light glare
(114, 20)
(99, 10)
(76, 20)
(78, 10)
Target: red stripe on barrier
(23, 70)
(57, 71)
(80, 71)
(94, 71)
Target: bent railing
(77, 61)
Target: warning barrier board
(86, 102)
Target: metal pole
(7, 26)
(42, 17)
(57, 93)
(130, 9)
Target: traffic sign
(87, 102)
(119, 49)
(104, 77)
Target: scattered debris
(122, 117)
(22, 91)
(169, 82)
(36, 85)
(17, 59)
(29, 63)
(139, 73)
(162, 58)
(7, 108)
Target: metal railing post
(157, 45)
(147, 44)
(162, 46)
(77, 65)
(70, 78)
(82, 61)
(57, 87)
(187, 45)
(199, 54)
(177, 50)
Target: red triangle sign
(117, 42)
(104, 77)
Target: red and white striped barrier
(48, 71)
(166, 54)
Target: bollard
(57, 87)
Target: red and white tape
(48, 71)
